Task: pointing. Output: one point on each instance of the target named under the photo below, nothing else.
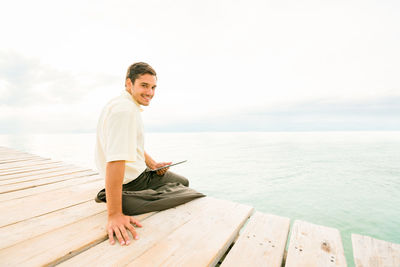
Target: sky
(222, 65)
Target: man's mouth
(147, 98)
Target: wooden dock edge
(369, 252)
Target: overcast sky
(237, 65)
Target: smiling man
(131, 187)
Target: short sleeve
(121, 135)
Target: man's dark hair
(137, 69)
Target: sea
(345, 180)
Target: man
(131, 187)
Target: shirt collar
(127, 95)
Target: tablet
(167, 166)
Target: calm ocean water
(346, 180)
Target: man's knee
(185, 181)
(176, 178)
(182, 180)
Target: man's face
(143, 88)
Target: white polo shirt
(120, 136)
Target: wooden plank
(4, 177)
(3, 161)
(33, 175)
(27, 169)
(44, 180)
(314, 245)
(371, 252)
(261, 243)
(33, 168)
(155, 229)
(39, 204)
(24, 230)
(9, 156)
(49, 187)
(24, 163)
(29, 162)
(200, 242)
(16, 164)
(62, 243)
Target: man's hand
(152, 164)
(118, 224)
(159, 165)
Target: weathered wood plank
(200, 242)
(314, 245)
(27, 229)
(29, 176)
(62, 243)
(39, 204)
(4, 177)
(24, 163)
(44, 180)
(25, 158)
(371, 252)
(261, 243)
(33, 168)
(49, 187)
(155, 229)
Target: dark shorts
(151, 192)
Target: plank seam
(46, 213)
(63, 187)
(29, 170)
(52, 175)
(224, 250)
(15, 160)
(53, 182)
(27, 167)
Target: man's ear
(128, 83)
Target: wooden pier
(49, 217)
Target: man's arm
(117, 221)
(152, 164)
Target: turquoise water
(346, 180)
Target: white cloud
(214, 58)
